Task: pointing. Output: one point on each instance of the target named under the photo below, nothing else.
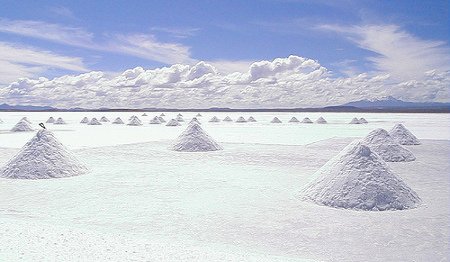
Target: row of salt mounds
(355, 121)
(59, 121)
(43, 157)
(195, 139)
(118, 121)
(241, 120)
(85, 120)
(227, 119)
(275, 120)
(358, 178)
(385, 146)
(214, 119)
(134, 121)
(294, 120)
(251, 119)
(321, 120)
(155, 121)
(104, 119)
(195, 120)
(306, 120)
(22, 126)
(50, 120)
(403, 136)
(94, 122)
(173, 122)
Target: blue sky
(348, 38)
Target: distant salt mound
(195, 139)
(179, 114)
(195, 120)
(161, 119)
(50, 120)
(85, 120)
(155, 121)
(94, 122)
(306, 120)
(59, 121)
(26, 120)
(198, 115)
(385, 146)
(134, 122)
(180, 119)
(214, 119)
(275, 120)
(104, 119)
(251, 119)
(294, 120)
(362, 120)
(1, 121)
(144, 114)
(173, 122)
(22, 126)
(118, 121)
(321, 120)
(403, 136)
(228, 119)
(162, 114)
(357, 178)
(355, 121)
(41, 158)
(241, 120)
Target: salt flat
(142, 201)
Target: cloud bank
(284, 82)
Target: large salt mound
(134, 122)
(294, 120)
(355, 121)
(173, 122)
(195, 139)
(59, 121)
(384, 145)
(43, 157)
(275, 120)
(50, 120)
(118, 121)
(251, 119)
(306, 120)
(228, 119)
(104, 119)
(403, 136)
(241, 120)
(358, 178)
(362, 120)
(22, 126)
(94, 122)
(155, 121)
(85, 120)
(214, 119)
(321, 120)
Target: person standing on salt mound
(385, 146)
(403, 136)
(358, 178)
(41, 158)
(195, 139)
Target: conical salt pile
(43, 157)
(1, 121)
(144, 114)
(228, 119)
(195, 120)
(358, 178)
(355, 121)
(26, 120)
(306, 120)
(118, 121)
(214, 119)
(59, 121)
(275, 120)
(251, 119)
(94, 122)
(362, 120)
(162, 114)
(241, 120)
(294, 120)
(403, 136)
(161, 119)
(50, 120)
(198, 115)
(385, 146)
(104, 119)
(179, 114)
(22, 126)
(155, 121)
(180, 119)
(321, 120)
(195, 139)
(85, 120)
(173, 122)
(135, 122)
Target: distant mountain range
(386, 104)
